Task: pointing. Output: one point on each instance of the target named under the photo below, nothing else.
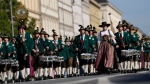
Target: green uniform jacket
(2, 50)
(27, 46)
(77, 43)
(7, 50)
(92, 44)
(64, 53)
(71, 50)
(59, 45)
(14, 56)
(134, 38)
(40, 45)
(49, 44)
(126, 38)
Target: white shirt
(83, 36)
(105, 33)
(0, 44)
(56, 41)
(24, 34)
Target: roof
(101, 1)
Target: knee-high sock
(59, 71)
(36, 73)
(3, 75)
(91, 68)
(63, 71)
(136, 65)
(41, 72)
(140, 65)
(45, 72)
(28, 71)
(16, 75)
(70, 69)
(146, 65)
(23, 73)
(125, 65)
(132, 65)
(121, 66)
(74, 70)
(49, 71)
(128, 62)
(86, 68)
(9, 74)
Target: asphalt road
(132, 78)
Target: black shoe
(135, 71)
(85, 74)
(62, 76)
(44, 78)
(28, 78)
(16, 80)
(108, 71)
(74, 75)
(70, 75)
(23, 80)
(125, 71)
(3, 82)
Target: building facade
(115, 16)
(77, 15)
(95, 15)
(33, 7)
(65, 18)
(86, 12)
(49, 16)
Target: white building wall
(86, 12)
(66, 18)
(77, 16)
(49, 16)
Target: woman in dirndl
(105, 58)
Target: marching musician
(1, 55)
(7, 55)
(105, 57)
(96, 45)
(37, 51)
(144, 57)
(123, 42)
(92, 49)
(87, 30)
(125, 26)
(57, 44)
(24, 47)
(15, 68)
(70, 51)
(133, 40)
(82, 46)
(48, 51)
(148, 53)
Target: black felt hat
(104, 24)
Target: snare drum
(60, 59)
(14, 62)
(93, 56)
(44, 58)
(86, 56)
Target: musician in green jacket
(37, 51)
(148, 53)
(71, 54)
(48, 52)
(57, 46)
(15, 69)
(24, 47)
(123, 43)
(82, 46)
(3, 73)
(7, 55)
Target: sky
(137, 12)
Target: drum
(86, 56)
(54, 57)
(50, 58)
(14, 62)
(94, 55)
(123, 52)
(60, 59)
(44, 58)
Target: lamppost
(12, 24)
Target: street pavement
(131, 78)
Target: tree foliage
(5, 18)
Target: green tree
(5, 18)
